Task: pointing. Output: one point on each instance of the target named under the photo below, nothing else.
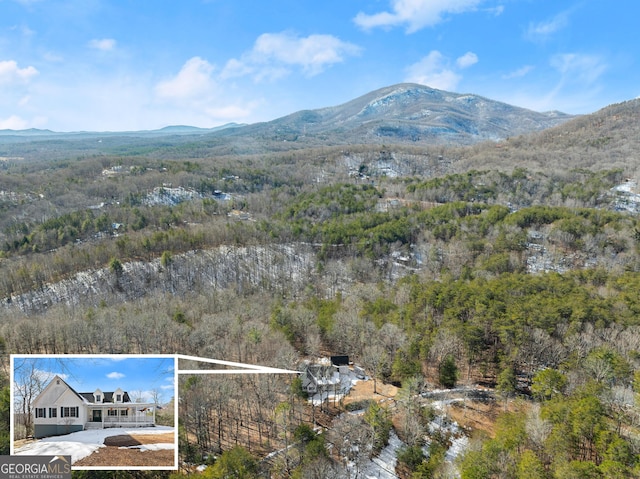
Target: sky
(138, 376)
(122, 65)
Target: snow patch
(626, 199)
(383, 466)
(84, 443)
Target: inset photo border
(107, 412)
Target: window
(118, 397)
(124, 412)
(98, 398)
(112, 412)
(69, 411)
(41, 412)
(53, 412)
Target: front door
(97, 415)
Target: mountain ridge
(409, 112)
(397, 113)
(36, 133)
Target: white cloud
(103, 44)
(231, 112)
(197, 95)
(53, 57)
(236, 68)
(434, 71)
(190, 95)
(543, 30)
(93, 101)
(14, 122)
(115, 375)
(519, 73)
(167, 387)
(24, 30)
(467, 60)
(194, 79)
(580, 68)
(10, 72)
(312, 53)
(274, 54)
(415, 14)
(575, 90)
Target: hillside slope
(606, 139)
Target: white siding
(56, 396)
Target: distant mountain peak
(414, 112)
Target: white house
(59, 409)
(320, 378)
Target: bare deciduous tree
(29, 381)
(353, 440)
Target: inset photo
(105, 411)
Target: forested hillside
(511, 265)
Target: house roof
(89, 398)
(107, 397)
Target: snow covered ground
(383, 466)
(84, 443)
(627, 198)
(459, 442)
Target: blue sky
(139, 376)
(71, 65)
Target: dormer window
(118, 395)
(98, 398)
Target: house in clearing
(59, 409)
(326, 375)
(320, 378)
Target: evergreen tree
(448, 372)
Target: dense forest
(429, 271)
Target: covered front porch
(131, 415)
